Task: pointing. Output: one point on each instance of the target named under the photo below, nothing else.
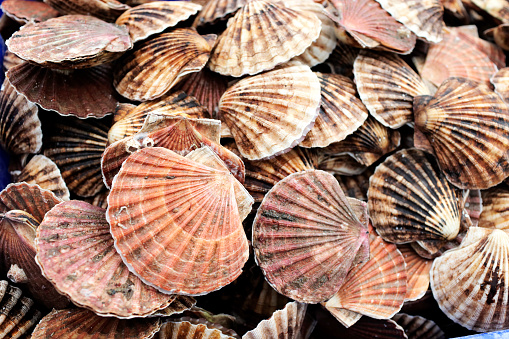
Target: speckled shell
(283, 324)
(409, 200)
(156, 65)
(387, 86)
(175, 104)
(270, 113)
(495, 212)
(41, 171)
(76, 148)
(261, 35)
(424, 18)
(417, 327)
(187, 330)
(88, 42)
(161, 237)
(28, 11)
(82, 323)
(154, 17)
(417, 269)
(365, 24)
(215, 10)
(19, 313)
(470, 283)
(307, 207)
(501, 82)
(20, 127)
(107, 10)
(468, 127)
(81, 93)
(341, 112)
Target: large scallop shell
(470, 283)
(177, 237)
(417, 269)
(495, 212)
(188, 330)
(417, 327)
(28, 11)
(387, 86)
(82, 323)
(106, 10)
(306, 236)
(216, 10)
(283, 324)
(408, 199)
(341, 112)
(262, 35)
(467, 125)
(159, 63)
(20, 127)
(270, 113)
(70, 41)
(424, 18)
(82, 93)
(154, 17)
(75, 251)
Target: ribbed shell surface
(28, 11)
(106, 10)
(495, 212)
(188, 330)
(417, 269)
(417, 327)
(216, 10)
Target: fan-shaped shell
(188, 330)
(310, 209)
(468, 127)
(501, 82)
(107, 10)
(417, 327)
(341, 112)
(387, 86)
(495, 209)
(417, 269)
(216, 10)
(495, 53)
(28, 11)
(408, 199)
(159, 63)
(154, 17)
(270, 113)
(262, 35)
(470, 283)
(70, 41)
(20, 127)
(174, 237)
(283, 324)
(82, 323)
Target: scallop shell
(19, 314)
(262, 35)
(270, 113)
(188, 330)
(497, 9)
(500, 35)
(180, 304)
(417, 269)
(88, 42)
(100, 199)
(495, 53)
(76, 148)
(82, 323)
(470, 282)
(495, 213)
(424, 18)
(107, 10)
(371, 27)
(122, 110)
(345, 317)
(75, 251)
(341, 112)
(367, 328)
(159, 234)
(342, 58)
(468, 127)
(42, 171)
(387, 86)
(20, 127)
(154, 17)
(11, 59)
(216, 10)
(307, 208)
(471, 204)
(356, 186)
(28, 11)
(283, 324)
(409, 200)
(417, 327)
(457, 9)
(343, 164)
(501, 80)
(175, 104)
(159, 63)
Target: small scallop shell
(75, 251)
(82, 93)
(387, 86)
(82, 323)
(42, 171)
(20, 127)
(270, 113)
(417, 272)
(424, 18)
(76, 148)
(87, 42)
(470, 283)
(468, 127)
(341, 112)
(154, 17)
(28, 11)
(215, 10)
(188, 330)
(417, 327)
(107, 10)
(156, 65)
(283, 324)
(297, 238)
(501, 82)
(409, 200)
(262, 35)
(167, 228)
(495, 212)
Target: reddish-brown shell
(28, 11)
(417, 269)
(106, 10)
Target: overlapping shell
(106, 10)
(187, 330)
(417, 269)
(28, 11)
(495, 211)
(327, 237)
(367, 328)
(216, 10)
(500, 80)
(417, 327)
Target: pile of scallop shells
(254, 169)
